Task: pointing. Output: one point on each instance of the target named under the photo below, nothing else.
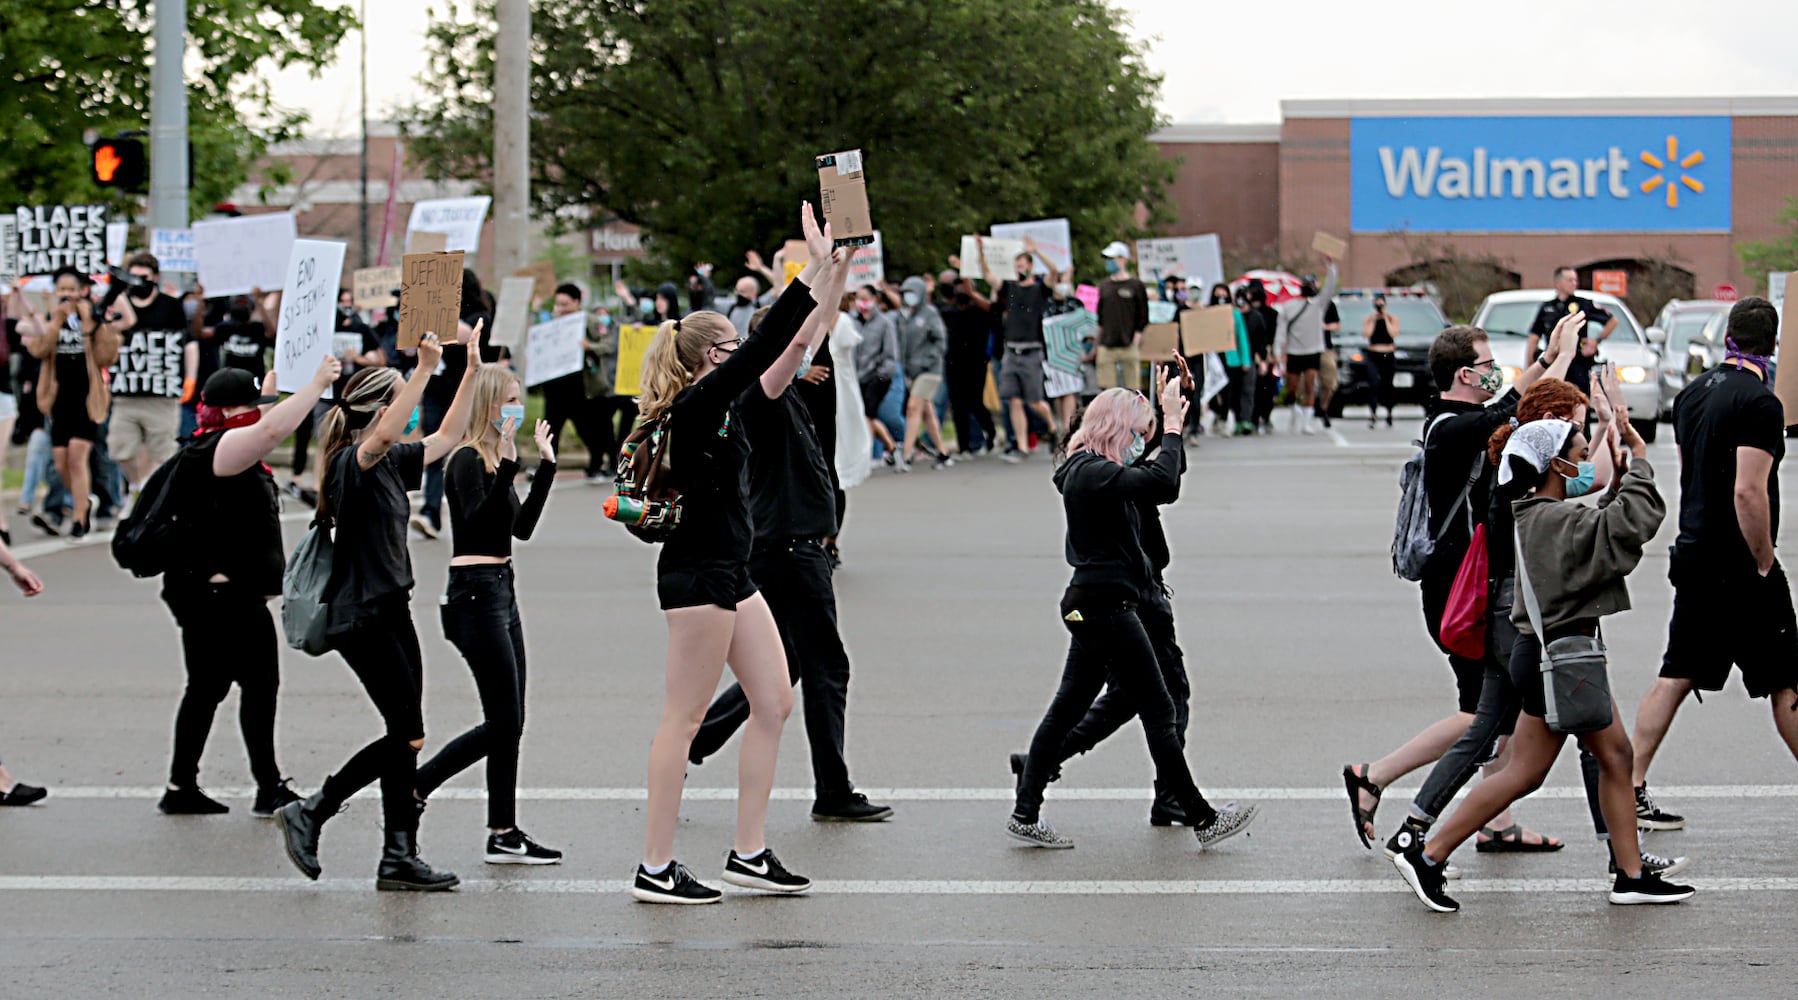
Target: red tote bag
(1464, 620)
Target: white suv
(1507, 316)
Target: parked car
(1419, 321)
(1689, 343)
(1507, 316)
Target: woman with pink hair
(1101, 483)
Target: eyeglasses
(728, 346)
(1487, 364)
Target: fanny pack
(1576, 689)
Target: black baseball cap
(234, 387)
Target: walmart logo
(1673, 163)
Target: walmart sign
(1510, 175)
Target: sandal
(1510, 841)
(1358, 785)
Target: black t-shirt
(71, 367)
(1123, 311)
(1261, 338)
(485, 512)
(353, 335)
(1451, 448)
(970, 334)
(790, 490)
(243, 346)
(442, 386)
(1724, 409)
(238, 533)
(1024, 307)
(150, 353)
(1554, 310)
(371, 567)
(1331, 317)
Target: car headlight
(1512, 374)
(1632, 374)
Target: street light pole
(511, 136)
(168, 118)
(364, 34)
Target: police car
(1507, 316)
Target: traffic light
(118, 163)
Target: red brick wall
(1228, 188)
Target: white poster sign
(867, 265)
(304, 330)
(9, 249)
(53, 236)
(511, 311)
(174, 250)
(1776, 283)
(1052, 237)
(554, 349)
(1000, 253)
(1198, 259)
(116, 235)
(459, 219)
(238, 256)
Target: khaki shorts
(143, 424)
(1119, 367)
(1328, 377)
(925, 387)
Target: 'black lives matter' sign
(53, 236)
(150, 365)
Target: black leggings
(1380, 368)
(480, 618)
(564, 402)
(227, 637)
(383, 652)
(967, 405)
(1110, 645)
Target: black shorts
(1526, 675)
(1470, 675)
(874, 393)
(1296, 363)
(1725, 617)
(723, 585)
(71, 423)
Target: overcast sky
(1237, 66)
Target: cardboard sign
(1198, 259)
(843, 197)
(304, 329)
(238, 256)
(1053, 240)
(1785, 378)
(459, 219)
(867, 265)
(553, 349)
(1159, 341)
(511, 312)
(116, 235)
(1000, 255)
(174, 250)
(1208, 330)
(430, 296)
(427, 241)
(53, 236)
(9, 249)
(633, 343)
(543, 279)
(1611, 282)
(1329, 245)
(376, 287)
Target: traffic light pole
(168, 118)
(511, 137)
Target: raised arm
(387, 431)
(242, 447)
(1562, 346)
(778, 378)
(455, 419)
(525, 524)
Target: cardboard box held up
(1785, 380)
(843, 196)
(1209, 330)
(1329, 246)
(430, 296)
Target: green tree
(1780, 254)
(698, 120)
(68, 66)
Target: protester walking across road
(1023, 301)
(77, 343)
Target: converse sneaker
(1649, 889)
(1414, 832)
(515, 847)
(190, 802)
(1652, 863)
(764, 872)
(1424, 879)
(1037, 834)
(675, 884)
(273, 797)
(1231, 820)
(1652, 817)
(851, 808)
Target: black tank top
(1379, 337)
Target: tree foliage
(699, 120)
(1781, 254)
(67, 66)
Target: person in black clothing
(228, 571)
(1379, 332)
(1558, 308)
(694, 372)
(793, 506)
(968, 318)
(78, 342)
(1101, 490)
(1261, 343)
(474, 329)
(365, 474)
(480, 609)
(565, 399)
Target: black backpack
(150, 540)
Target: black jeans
(480, 618)
(383, 651)
(1110, 645)
(1380, 369)
(613, 416)
(227, 637)
(430, 417)
(967, 404)
(1114, 709)
(565, 402)
(794, 578)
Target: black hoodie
(1104, 540)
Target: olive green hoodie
(1577, 555)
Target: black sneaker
(1231, 820)
(1410, 832)
(1652, 863)
(851, 808)
(48, 523)
(21, 794)
(426, 525)
(272, 798)
(765, 872)
(515, 847)
(190, 802)
(1012, 456)
(675, 885)
(78, 530)
(1652, 817)
(1649, 889)
(1037, 834)
(1424, 879)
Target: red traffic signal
(118, 163)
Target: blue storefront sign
(1547, 175)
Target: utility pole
(364, 205)
(168, 118)
(512, 137)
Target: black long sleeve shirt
(1102, 500)
(485, 513)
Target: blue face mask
(412, 424)
(1111, 266)
(805, 365)
(513, 411)
(1137, 447)
(1580, 485)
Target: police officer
(1564, 302)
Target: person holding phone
(77, 343)
(1379, 332)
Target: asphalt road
(1305, 652)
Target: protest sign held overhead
(1329, 246)
(633, 343)
(1203, 331)
(512, 311)
(458, 219)
(1000, 253)
(1053, 240)
(9, 249)
(430, 296)
(238, 256)
(174, 250)
(53, 236)
(116, 235)
(553, 349)
(376, 287)
(1198, 259)
(308, 310)
(426, 241)
(867, 265)
(843, 198)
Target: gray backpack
(303, 608)
(1412, 541)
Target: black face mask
(944, 290)
(743, 300)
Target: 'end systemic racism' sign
(53, 236)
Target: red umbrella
(1280, 285)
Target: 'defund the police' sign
(1509, 175)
